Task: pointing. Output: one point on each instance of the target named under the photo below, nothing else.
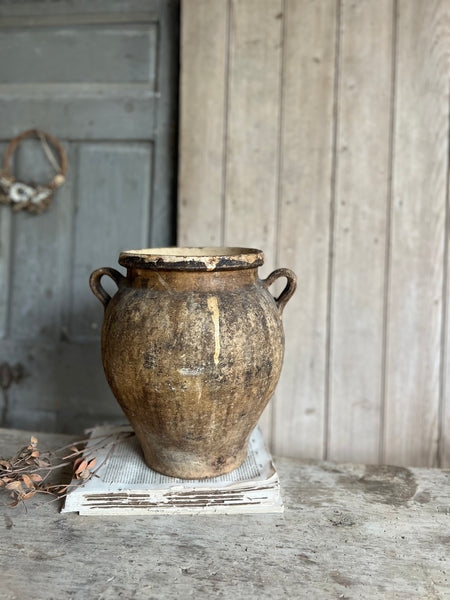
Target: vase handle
(96, 286)
(291, 285)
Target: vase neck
(196, 281)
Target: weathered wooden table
(348, 531)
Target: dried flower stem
(25, 474)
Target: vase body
(192, 348)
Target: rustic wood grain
(79, 111)
(68, 396)
(252, 159)
(36, 293)
(5, 260)
(163, 205)
(83, 8)
(348, 531)
(444, 414)
(253, 120)
(417, 233)
(203, 89)
(304, 205)
(108, 54)
(388, 365)
(360, 207)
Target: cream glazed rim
(212, 258)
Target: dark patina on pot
(192, 347)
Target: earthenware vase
(192, 347)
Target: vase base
(186, 465)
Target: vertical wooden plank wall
(250, 201)
(319, 131)
(416, 294)
(361, 188)
(305, 174)
(203, 89)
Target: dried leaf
(81, 467)
(27, 495)
(27, 481)
(35, 477)
(14, 485)
(76, 462)
(35, 454)
(33, 440)
(92, 463)
(6, 464)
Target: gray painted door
(100, 75)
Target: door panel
(62, 387)
(39, 251)
(112, 202)
(81, 53)
(103, 80)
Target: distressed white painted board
(420, 176)
(251, 186)
(252, 135)
(444, 413)
(304, 207)
(203, 93)
(371, 338)
(361, 198)
(163, 207)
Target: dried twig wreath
(29, 196)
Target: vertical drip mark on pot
(213, 308)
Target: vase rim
(207, 258)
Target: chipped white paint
(211, 263)
(213, 308)
(191, 372)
